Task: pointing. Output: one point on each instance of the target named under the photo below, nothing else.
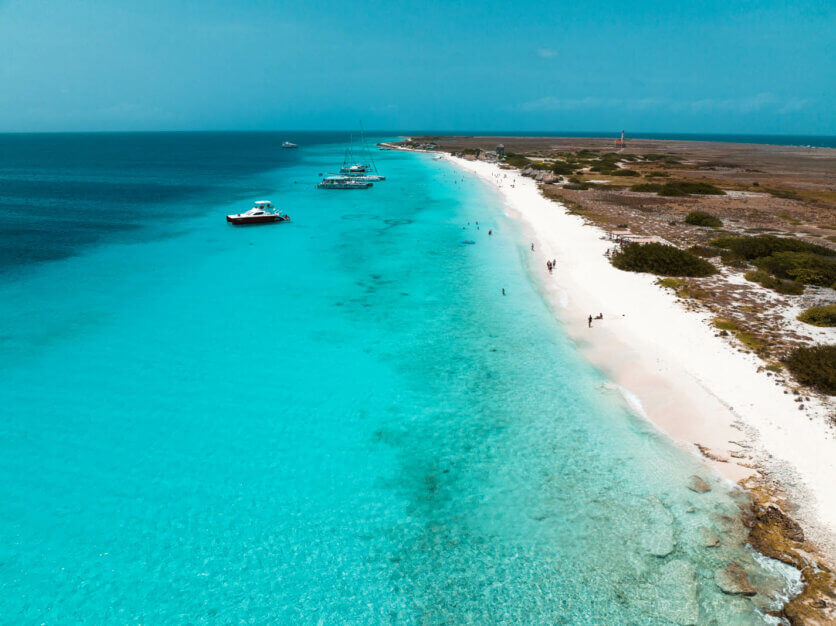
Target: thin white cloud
(745, 104)
(546, 53)
(794, 104)
(569, 104)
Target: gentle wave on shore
(340, 419)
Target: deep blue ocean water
(336, 420)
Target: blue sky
(695, 66)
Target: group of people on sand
(550, 265)
(600, 316)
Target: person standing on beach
(532, 247)
(590, 321)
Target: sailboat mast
(366, 150)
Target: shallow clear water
(335, 420)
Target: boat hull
(357, 186)
(259, 219)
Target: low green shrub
(783, 193)
(562, 168)
(687, 187)
(824, 315)
(701, 218)
(676, 188)
(661, 158)
(725, 324)
(731, 259)
(647, 187)
(683, 288)
(661, 259)
(765, 245)
(704, 251)
(814, 366)
(517, 160)
(625, 173)
(786, 287)
(802, 267)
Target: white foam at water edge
(633, 400)
(791, 576)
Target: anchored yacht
(343, 182)
(262, 212)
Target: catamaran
(262, 212)
(362, 176)
(343, 182)
(362, 168)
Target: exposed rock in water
(774, 533)
(698, 484)
(774, 516)
(733, 580)
(709, 539)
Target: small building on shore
(623, 237)
(500, 152)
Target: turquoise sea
(337, 420)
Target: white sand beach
(698, 388)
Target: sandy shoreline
(696, 387)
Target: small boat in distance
(286, 145)
(355, 169)
(262, 212)
(342, 182)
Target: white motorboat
(263, 212)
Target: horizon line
(421, 132)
